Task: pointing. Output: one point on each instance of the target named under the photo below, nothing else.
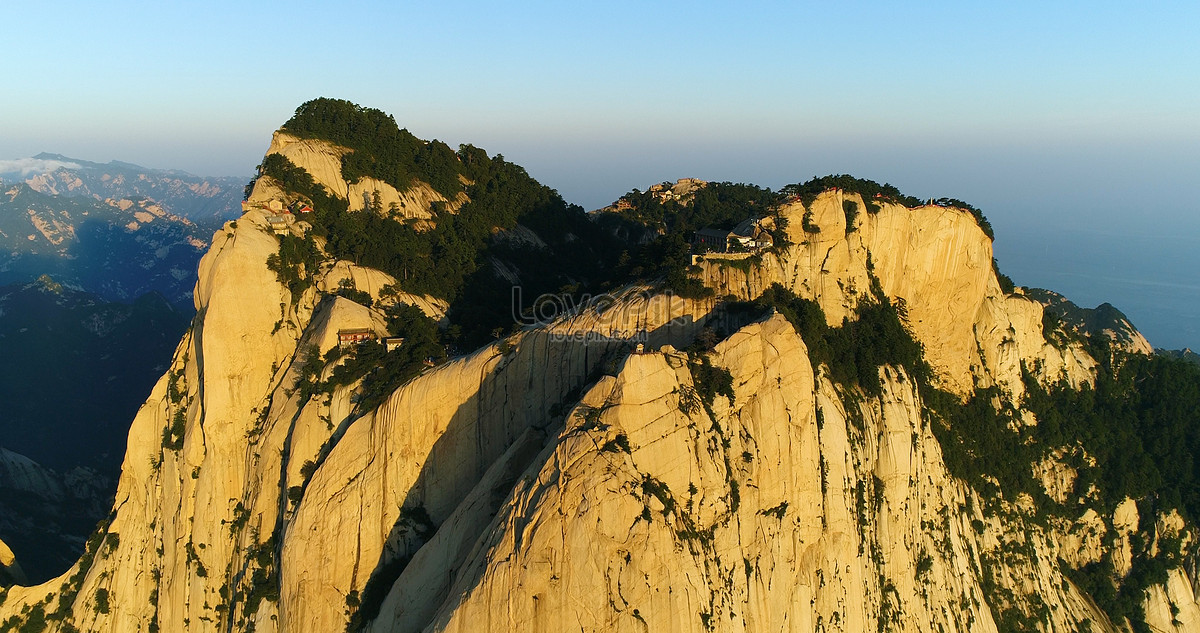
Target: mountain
(116, 229)
(1184, 354)
(76, 365)
(855, 428)
(208, 201)
(1102, 321)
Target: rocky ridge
(556, 480)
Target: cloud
(27, 166)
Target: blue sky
(1049, 116)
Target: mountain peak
(47, 284)
(51, 156)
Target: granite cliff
(559, 479)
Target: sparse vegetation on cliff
(806, 222)
(1006, 282)
(295, 263)
(710, 381)
(1138, 422)
(856, 350)
(975, 212)
(173, 434)
(382, 371)
(850, 208)
(1135, 425)
(1130, 435)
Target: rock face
(559, 481)
(749, 520)
(323, 160)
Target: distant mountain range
(116, 229)
(1104, 321)
(201, 199)
(1182, 354)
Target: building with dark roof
(715, 240)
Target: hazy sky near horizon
(1046, 115)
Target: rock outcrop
(934, 260)
(556, 480)
(10, 570)
(323, 160)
